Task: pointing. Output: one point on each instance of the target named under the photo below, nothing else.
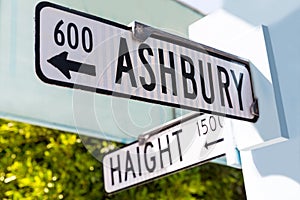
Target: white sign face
(188, 144)
(77, 50)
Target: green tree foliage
(40, 163)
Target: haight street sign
(78, 50)
(191, 142)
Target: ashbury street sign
(191, 142)
(78, 50)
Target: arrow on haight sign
(207, 144)
(64, 65)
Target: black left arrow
(64, 65)
(212, 143)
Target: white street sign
(78, 50)
(192, 142)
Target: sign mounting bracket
(142, 139)
(254, 108)
(142, 31)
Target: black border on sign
(202, 48)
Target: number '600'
(72, 36)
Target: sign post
(78, 50)
(179, 145)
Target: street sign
(78, 50)
(184, 144)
